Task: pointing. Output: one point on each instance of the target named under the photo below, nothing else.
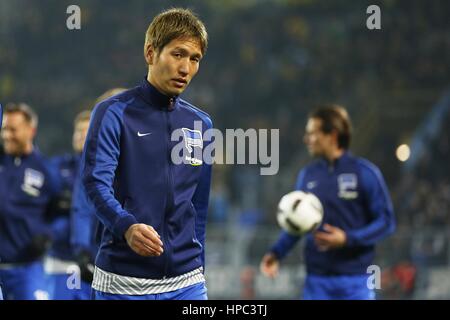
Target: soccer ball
(299, 212)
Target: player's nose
(183, 68)
(306, 139)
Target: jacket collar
(19, 159)
(337, 162)
(155, 98)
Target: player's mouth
(179, 82)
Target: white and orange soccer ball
(299, 212)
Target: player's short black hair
(172, 24)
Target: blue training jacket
(355, 198)
(67, 168)
(28, 184)
(84, 222)
(130, 178)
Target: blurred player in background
(83, 219)
(357, 213)
(60, 264)
(153, 211)
(27, 187)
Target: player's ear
(335, 136)
(149, 54)
(33, 131)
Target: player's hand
(38, 246)
(269, 265)
(332, 238)
(144, 240)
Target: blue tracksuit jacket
(27, 185)
(355, 198)
(130, 178)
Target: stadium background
(268, 63)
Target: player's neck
(28, 149)
(334, 154)
(23, 153)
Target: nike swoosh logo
(143, 134)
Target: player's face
(79, 135)
(173, 68)
(317, 142)
(17, 133)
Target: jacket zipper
(167, 248)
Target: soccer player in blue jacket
(357, 213)
(27, 186)
(153, 211)
(60, 264)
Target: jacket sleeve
(81, 219)
(99, 162)
(57, 225)
(58, 222)
(200, 199)
(379, 206)
(286, 241)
